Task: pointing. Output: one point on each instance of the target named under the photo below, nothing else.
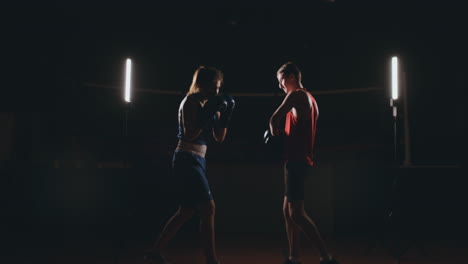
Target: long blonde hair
(203, 78)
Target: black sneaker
(331, 261)
(152, 257)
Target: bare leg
(303, 221)
(172, 226)
(292, 231)
(207, 216)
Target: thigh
(193, 187)
(296, 207)
(295, 173)
(206, 208)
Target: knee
(207, 211)
(185, 212)
(286, 213)
(297, 217)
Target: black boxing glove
(227, 114)
(275, 144)
(207, 114)
(267, 136)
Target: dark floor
(247, 249)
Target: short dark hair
(290, 68)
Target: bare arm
(288, 103)
(189, 118)
(219, 133)
(220, 129)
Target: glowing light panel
(394, 78)
(128, 79)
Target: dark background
(63, 124)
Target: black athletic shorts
(295, 173)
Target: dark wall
(60, 122)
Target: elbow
(272, 125)
(220, 139)
(273, 121)
(219, 134)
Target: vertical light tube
(395, 78)
(128, 80)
